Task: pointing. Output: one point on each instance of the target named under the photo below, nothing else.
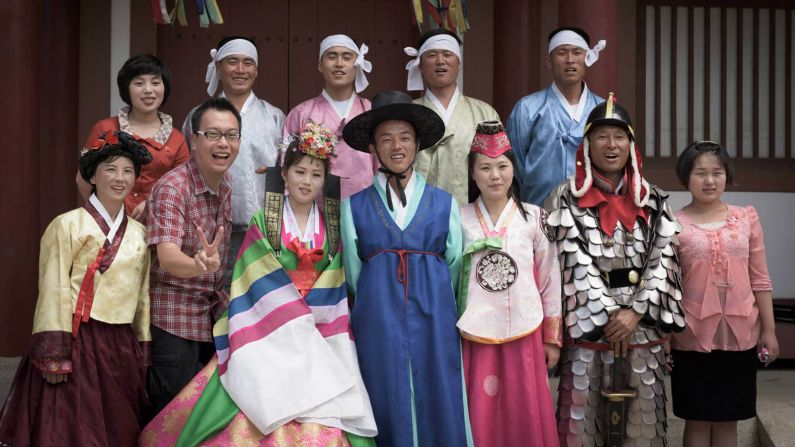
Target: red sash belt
(86, 297)
(403, 269)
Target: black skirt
(718, 386)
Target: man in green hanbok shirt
(438, 62)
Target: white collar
(503, 214)
(334, 103)
(250, 100)
(574, 110)
(446, 112)
(291, 224)
(114, 224)
(400, 210)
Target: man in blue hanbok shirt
(546, 127)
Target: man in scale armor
(621, 290)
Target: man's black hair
(221, 104)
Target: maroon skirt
(100, 404)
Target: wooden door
(288, 35)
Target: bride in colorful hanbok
(286, 372)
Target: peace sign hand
(207, 259)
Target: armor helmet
(609, 113)
(613, 114)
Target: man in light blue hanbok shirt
(546, 127)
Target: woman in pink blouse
(727, 300)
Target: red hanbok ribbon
(85, 299)
(305, 275)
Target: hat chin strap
(586, 184)
(398, 177)
(638, 182)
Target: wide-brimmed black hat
(394, 105)
(609, 113)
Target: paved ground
(774, 426)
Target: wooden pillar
(19, 173)
(600, 19)
(516, 52)
(59, 87)
(37, 178)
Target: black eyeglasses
(215, 135)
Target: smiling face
(237, 74)
(336, 66)
(493, 177)
(609, 147)
(304, 179)
(567, 63)
(439, 68)
(707, 179)
(146, 93)
(395, 145)
(113, 180)
(215, 157)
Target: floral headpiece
(314, 139)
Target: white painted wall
(119, 48)
(777, 214)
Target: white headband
(362, 65)
(241, 47)
(568, 37)
(438, 42)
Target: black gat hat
(394, 105)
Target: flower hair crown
(314, 139)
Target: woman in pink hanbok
(510, 321)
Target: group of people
(384, 273)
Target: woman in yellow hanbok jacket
(82, 381)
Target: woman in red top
(727, 300)
(144, 84)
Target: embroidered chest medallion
(496, 271)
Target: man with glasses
(233, 65)
(190, 216)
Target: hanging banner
(208, 12)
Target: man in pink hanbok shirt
(343, 67)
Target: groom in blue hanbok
(402, 250)
(546, 127)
